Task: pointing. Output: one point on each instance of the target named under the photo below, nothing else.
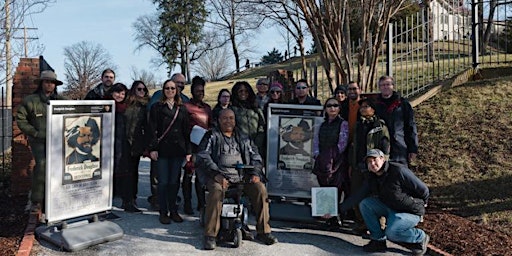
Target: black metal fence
(5, 139)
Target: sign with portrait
(290, 142)
(80, 144)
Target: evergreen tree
(272, 57)
(181, 25)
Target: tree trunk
(488, 29)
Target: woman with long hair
(137, 136)
(249, 117)
(169, 147)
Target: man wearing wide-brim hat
(31, 119)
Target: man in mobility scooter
(219, 153)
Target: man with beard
(82, 139)
(295, 137)
(101, 90)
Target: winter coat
(31, 116)
(137, 130)
(176, 143)
(250, 121)
(399, 189)
(329, 148)
(370, 133)
(210, 149)
(398, 114)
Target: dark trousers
(39, 173)
(169, 172)
(186, 187)
(153, 174)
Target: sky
(109, 23)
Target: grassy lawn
(465, 147)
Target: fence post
(474, 33)
(389, 51)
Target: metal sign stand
(78, 234)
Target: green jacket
(31, 116)
(369, 134)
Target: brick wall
(22, 161)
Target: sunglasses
(170, 88)
(301, 87)
(276, 92)
(142, 89)
(332, 106)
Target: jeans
(169, 173)
(400, 226)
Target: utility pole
(8, 68)
(25, 39)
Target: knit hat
(276, 86)
(340, 88)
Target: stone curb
(28, 238)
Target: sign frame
(290, 175)
(79, 164)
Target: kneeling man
(399, 196)
(219, 151)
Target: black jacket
(397, 187)
(176, 142)
(398, 114)
(309, 101)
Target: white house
(450, 21)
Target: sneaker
(164, 219)
(176, 217)
(267, 239)
(375, 246)
(246, 233)
(209, 243)
(334, 223)
(419, 249)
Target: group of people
(362, 148)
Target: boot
(130, 207)
(187, 208)
(375, 246)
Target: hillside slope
(465, 147)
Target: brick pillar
(22, 160)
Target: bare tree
(83, 64)
(235, 19)
(326, 21)
(147, 29)
(287, 15)
(213, 65)
(145, 76)
(12, 18)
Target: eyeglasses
(332, 106)
(169, 88)
(275, 92)
(352, 88)
(301, 87)
(142, 89)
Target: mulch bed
(13, 221)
